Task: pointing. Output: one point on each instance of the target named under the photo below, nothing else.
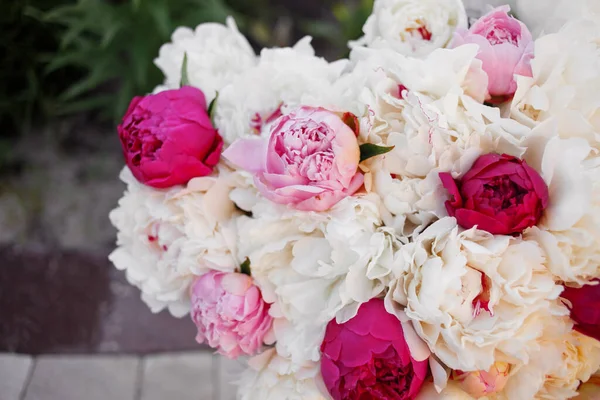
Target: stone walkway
(181, 376)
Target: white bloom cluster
(469, 294)
(413, 27)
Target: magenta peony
(368, 358)
(168, 139)
(310, 160)
(584, 303)
(230, 313)
(505, 49)
(500, 194)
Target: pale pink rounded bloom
(230, 313)
(505, 49)
(484, 383)
(309, 161)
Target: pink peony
(168, 139)
(310, 160)
(230, 313)
(368, 358)
(505, 49)
(500, 194)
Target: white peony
(315, 267)
(555, 371)
(167, 237)
(412, 27)
(549, 16)
(272, 377)
(447, 279)
(565, 83)
(216, 53)
(569, 231)
(433, 121)
(282, 77)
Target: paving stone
(185, 376)
(14, 370)
(83, 377)
(230, 372)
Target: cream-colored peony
(166, 237)
(556, 370)
(569, 231)
(412, 27)
(282, 77)
(473, 297)
(315, 267)
(452, 391)
(549, 16)
(431, 117)
(565, 83)
(216, 54)
(272, 377)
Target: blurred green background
(65, 57)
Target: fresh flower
(167, 237)
(230, 313)
(563, 361)
(565, 83)
(505, 48)
(435, 121)
(216, 54)
(168, 139)
(473, 297)
(584, 303)
(452, 391)
(484, 383)
(569, 231)
(314, 267)
(368, 357)
(500, 194)
(548, 17)
(310, 161)
(273, 377)
(412, 27)
(289, 75)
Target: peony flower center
(306, 150)
(317, 166)
(499, 35)
(141, 142)
(383, 377)
(419, 30)
(503, 193)
(482, 301)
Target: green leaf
(245, 267)
(185, 81)
(212, 106)
(369, 150)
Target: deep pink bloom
(585, 308)
(168, 139)
(230, 313)
(500, 194)
(368, 358)
(309, 161)
(505, 48)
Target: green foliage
(70, 56)
(25, 90)
(368, 150)
(114, 43)
(349, 19)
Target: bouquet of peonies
(421, 220)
